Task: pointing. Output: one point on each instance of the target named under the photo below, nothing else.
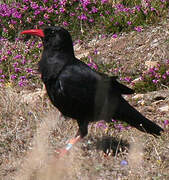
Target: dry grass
(29, 137)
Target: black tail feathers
(130, 115)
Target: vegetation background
(127, 38)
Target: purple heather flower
(138, 28)
(114, 36)
(72, 14)
(17, 39)
(1, 80)
(40, 45)
(9, 52)
(157, 76)
(112, 19)
(40, 23)
(151, 70)
(25, 8)
(166, 122)
(32, 43)
(104, 1)
(85, 3)
(119, 126)
(4, 58)
(56, 12)
(164, 76)
(50, 10)
(62, 2)
(93, 65)
(119, 7)
(107, 12)
(94, 10)
(23, 61)
(17, 15)
(17, 70)
(82, 17)
(15, 64)
(65, 23)
(46, 16)
(37, 12)
(128, 79)
(22, 78)
(95, 51)
(13, 22)
(22, 83)
(113, 120)
(62, 10)
(155, 81)
(3, 76)
(126, 9)
(34, 5)
(91, 20)
(19, 56)
(101, 124)
(138, 8)
(13, 76)
(129, 23)
(152, 9)
(41, 8)
(1, 71)
(29, 70)
(145, 12)
(5, 30)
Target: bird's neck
(51, 64)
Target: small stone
(77, 47)
(138, 96)
(151, 64)
(85, 54)
(154, 43)
(164, 108)
(136, 80)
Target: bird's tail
(130, 115)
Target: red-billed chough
(80, 92)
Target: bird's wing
(79, 82)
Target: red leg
(69, 145)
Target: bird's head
(55, 39)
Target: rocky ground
(31, 129)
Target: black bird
(80, 92)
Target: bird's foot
(70, 144)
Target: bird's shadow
(109, 144)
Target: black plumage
(80, 92)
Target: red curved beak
(36, 32)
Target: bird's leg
(80, 134)
(69, 145)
